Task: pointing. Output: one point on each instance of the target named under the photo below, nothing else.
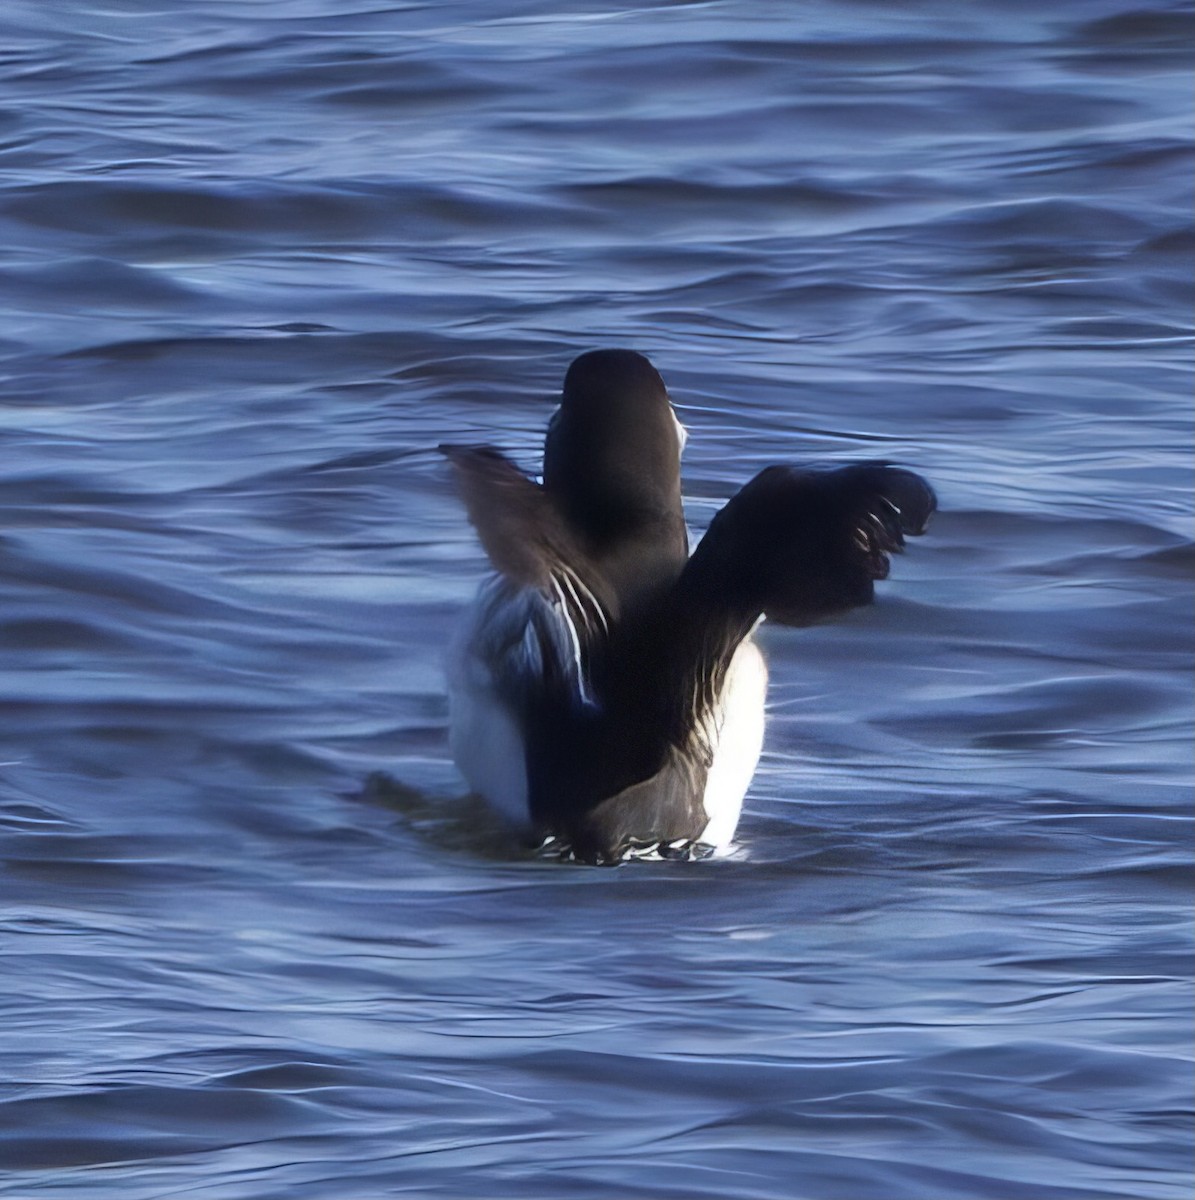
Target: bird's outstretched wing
(529, 543)
(802, 544)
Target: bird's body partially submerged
(604, 685)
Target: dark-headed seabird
(605, 687)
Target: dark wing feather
(802, 544)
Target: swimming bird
(605, 687)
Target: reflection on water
(261, 259)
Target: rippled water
(259, 258)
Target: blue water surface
(259, 258)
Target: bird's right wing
(803, 544)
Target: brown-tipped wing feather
(516, 521)
(529, 543)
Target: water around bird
(260, 259)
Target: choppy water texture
(259, 257)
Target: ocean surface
(258, 258)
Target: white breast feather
(739, 722)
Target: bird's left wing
(529, 543)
